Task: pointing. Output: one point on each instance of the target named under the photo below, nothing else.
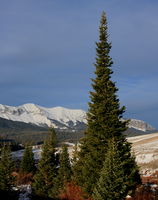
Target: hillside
(9, 124)
(25, 132)
(145, 148)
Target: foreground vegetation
(52, 178)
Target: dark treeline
(37, 137)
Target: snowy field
(17, 155)
(145, 148)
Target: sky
(47, 52)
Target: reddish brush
(143, 193)
(73, 192)
(24, 178)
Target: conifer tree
(104, 122)
(28, 162)
(6, 169)
(64, 172)
(45, 179)
(112, 184)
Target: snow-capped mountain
(58, 117)
(140, 125)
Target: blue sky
(47, 51)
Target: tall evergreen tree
(104, 121)
(112, 184)
(64, 172)
(6, 169)
(45, 180)
(28, 162)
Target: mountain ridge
(59, 117)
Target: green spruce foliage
(64, 172)
(104, 122)
(6, 169)
(28, 163)
(112, 184)
(45, 179)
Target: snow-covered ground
(17, 155)
(142, 137)
(145, 148)
(25, 192)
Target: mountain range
(30, 122)
(59, 117)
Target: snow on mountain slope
(31, 113)
(140, 125)
(58, 117)
(65, 115)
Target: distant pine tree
(112, 184)
(104, 122)
(45, 179)
(6, 169)
(64, 172)
(28, 163)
